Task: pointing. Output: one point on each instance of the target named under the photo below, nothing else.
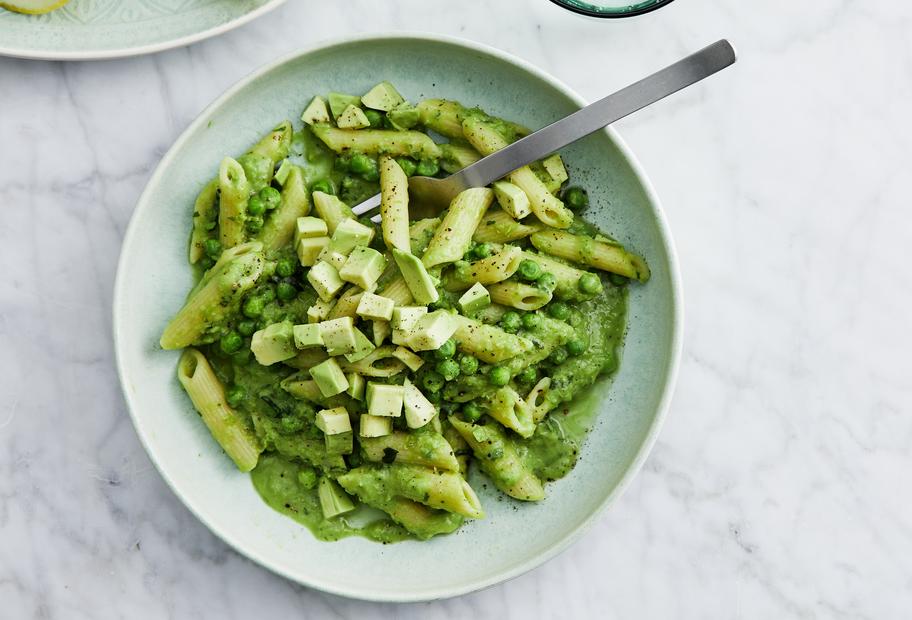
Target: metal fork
(690, 70)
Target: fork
(438, 193)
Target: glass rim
(582, 7)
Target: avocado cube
(349, 234)
(307, 336)
(329, 378)
(352, 117)
(414, 362)
(363, 267)
(405, 317)
(475, 299)
(338, 335)
(375, 426)
(356, 385)
(512, 199)
(382, 330)
(281, 175)
(384, 400)
(432, 330)
(404, 117)
(333, 421)
(333, 500)
(554, 166)
(401, 337)
(363, 347)
(383, 97)
(274, 344)
(308, 226)
(375, 307)
(325, 280)
(341, 443)
(315, 112)
(338, 102)
(418, 409)
(416, 277)
(309, 250)
(328, 255)
(319, 311)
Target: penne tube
(454, 235)
(398, 291)
(204, 218)
(537, 400)
(425, 449)
(509, 408)
(377, 141)
(331, 210)
(498, 227)
(519, 295)
(495, 268)
(278, 231)
(378, 363)
(602, 255)
(394, 205)
(486, 342)
(233, 193)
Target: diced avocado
(328, 255)
(404, 117)
(375, 426)
(308, 226)
(325, 280)
(307, 336)
(363, 267)
(274, 344)
(356, 385)
(416, 277)
(333, 421)
(383, 97)
(363, 347)
(375, 307)
(309, 250)
(405, 317)
(418, 409)
(315, 112)
(352, 117)
(382, 330)
(512, 199)
(282, 173)
(384, 400)
(338, 102)
(554, 166)
(475, 299)
(342, 443)
(333, 500)
(432, 330)
(338, 335)
(401, 337)
(349, 234)
(329, 378)
(414, 362)
(319, 311)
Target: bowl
(153, 278)
(612, 8)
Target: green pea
(590, 284)
(546, 282)
(286, 291)
(323, 185)
(527, 376)
(246, 328)
(291, 424)
(559, 310)
(235, 395)
(617, 279)
(448, 369)
(531, 320)
(255, 223)
(270, 197)
(529, 270)
(285, 268)
(446, 350)
(408, 165)
(577, 347)
(434, 397)
(468, 365)
(432, 381)
(576, 198)
(253, 307)
(374, 118)
(558, 356)
(231, 342)
(371, 175)
(362, 164)
(307, 478)
(268, 294)
(499, 376)
(510, 322)
(343, 163)
(471, 412)
(482, 250)
(256, 205)
(427, 168)
(206, 262)
(212, 247)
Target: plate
(153, 278)
(95, 29)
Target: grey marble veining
(779, 486)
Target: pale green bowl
(153, 278)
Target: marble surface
(779, 486)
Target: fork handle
(603, 112)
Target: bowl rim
(610, 13)
(141, 50)
(671, 365)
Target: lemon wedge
(33, 7)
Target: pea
(527, 376)
(268, 294)
(286, 291)
(446, 350)
(448, 369)
(323, 185)
(255, 223)
(617, 279)
(471, 412)
(362, 164)
(285, 268)
(510, 322)
(307, 478)
(558, 356)
(374, 118)
(408, 165)
(559, 310)
(499, 376)
(235, 395)
(372, 175)
(246, 328)
(530, 321)
(256, 205)
(529, 270)
(577, 347)
(468, 365)
(434, 397)
(427, 168)
(432, 381)
(270, 197)
(343, 163)
(482, 250)
(212, 248)
(253, 307)
(590, 284)
(206, 263)
(290, 424)
(546, 282)
(231, 342)
(576, 198)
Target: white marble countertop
(779, 487)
